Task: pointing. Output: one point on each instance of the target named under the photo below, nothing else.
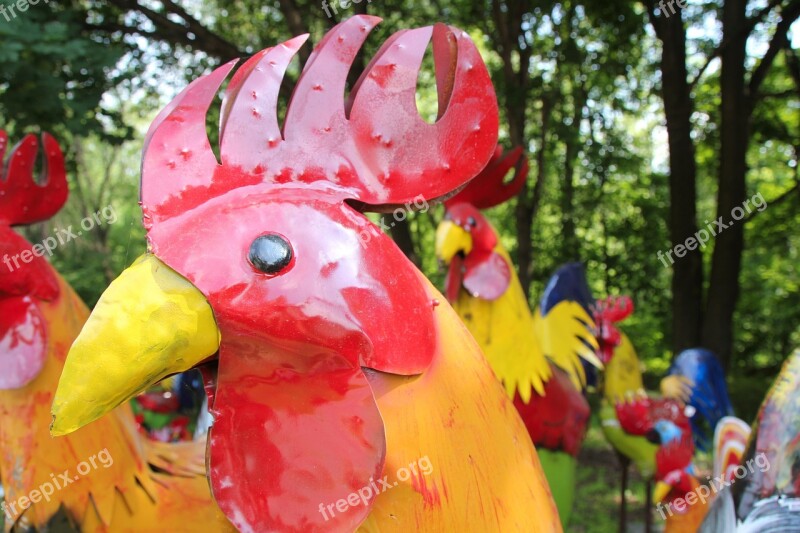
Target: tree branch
(178, 34)
(783, 197)
(202, 33)
(745, 34)
(778, 42)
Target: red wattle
(279, 418)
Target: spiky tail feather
(707, 391)
(730, 441)
(563, 324)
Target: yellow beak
(661, 491)
(450, 240)
(149, 324)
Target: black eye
(471, 222)
(270, 253)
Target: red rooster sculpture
(694, 393)
(332, 364)
(128, 483)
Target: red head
(466, 240)
(24, 201)
(674, 478)
(609, 312)
(25, 277)
(304, 289)
(345, 285)
(305, 184)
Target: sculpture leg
(623, 511)
(648, 513)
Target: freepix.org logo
(61, 236)
(13, 509)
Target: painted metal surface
(490, 188)
(675, 481)
(472, 260)
(24, 200)
(98, 477)
(24, 275)
(23, 340)
(623, 389)
(467, 242)
(766, 496)
(607, 313)
(776, 434)
(707, 391)
(663, 421)
(537, 356)
(338, 364)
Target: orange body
(472, 476)
(119, 491)
(690, 518)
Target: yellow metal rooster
(538, 357)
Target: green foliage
(54, 73)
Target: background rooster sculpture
(767, 498)
(536, 356)
(755, 482)
(331, 363)
(695, 397)
(682, 500)
(138, 485)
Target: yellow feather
(123, 495)
(488, 480)
(504, 330)
(565, 336)
(518, 346)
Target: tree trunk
(736, 109)
(687, 271)
(528, 203)
(401, 235)
(570, 247)
(508, 17)
(723, 288)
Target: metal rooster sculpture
(682, 500)
(767, 498)
(331, 363)
(132, 485)
(694, 399)
(536, 356)
(755, 486)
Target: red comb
(488, 188)
(22, 200)
(634, 416)
(374, 149)
(613, 309)
(676, 455)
